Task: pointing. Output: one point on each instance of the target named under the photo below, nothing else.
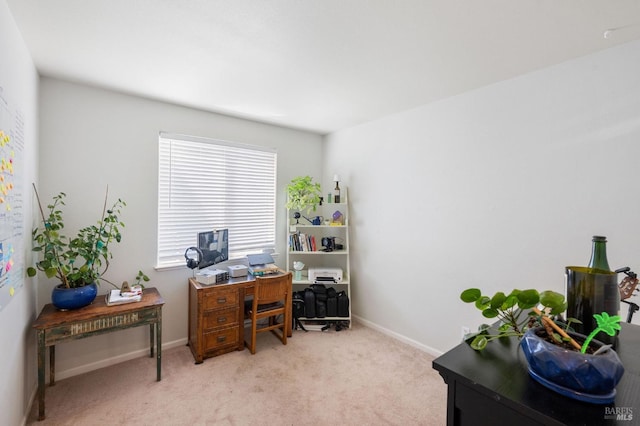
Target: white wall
(19, 82)
(93, 137)
(498, 188)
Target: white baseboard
(32, 400)
(400, 337)
(113, 360)
(63, 374)
(94, 366)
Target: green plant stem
(497, 336)
(113, 284)
(100, 230)
(59, 272)
(511, 317)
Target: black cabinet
(493, 387)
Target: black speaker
(329, 243)
(191, 262)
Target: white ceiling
(318, 65)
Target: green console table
(54, 326)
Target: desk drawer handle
(222, 300)
(222, 319)
(222, 339)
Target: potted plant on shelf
(571, 364)
(79, 263)
(303, 194)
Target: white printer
(325, 274)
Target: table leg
(52, 365)
(243, 294)
(159, 345)
(41, 362)
(289, 307)
(151, 328)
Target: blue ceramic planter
(73, 298)
(590, 378)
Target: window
(207, 184)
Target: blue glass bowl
(571, 372)
(73, 298)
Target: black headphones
(191, 262)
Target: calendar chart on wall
(11, 199)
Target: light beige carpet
(357, 376)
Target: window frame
(243, 184)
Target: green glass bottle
(592, 290)
(599, 253)
(336, 193)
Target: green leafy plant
(77, 261)
(509, 310)
(141, 277)
(303, 194)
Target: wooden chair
(269, 301)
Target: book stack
(302, 242)
(261, 270)
(117, 297)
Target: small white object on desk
(118, 297)
(212, 276)
(238, 271)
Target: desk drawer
(220, 298)
(216, 318)
(101, 324)
(220, 338)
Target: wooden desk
(216, 316)
(493, 387)
(54, 326)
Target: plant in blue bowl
(77, 262)
(589, 374)
(572, 364)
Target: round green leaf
(557, 310)
(504, 327)
(509, 302)
(483, 303)
(490, 313)
(479, 343)
(528, 298)
(551, 299)
(498, 299)
(470, 295)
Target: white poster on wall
(11, 199)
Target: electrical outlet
(465, 331)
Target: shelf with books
(323, 246)
(330, 253)
(301, 225)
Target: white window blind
(207, 184)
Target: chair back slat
(272, 289)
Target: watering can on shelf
(315, 221)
